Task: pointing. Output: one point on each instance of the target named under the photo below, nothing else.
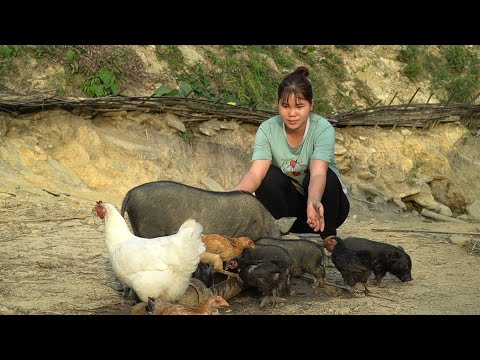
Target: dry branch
(411, 115)
(347, 289)
(428, 231)
(42, 220)
(433, 215)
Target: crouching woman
(293, 170)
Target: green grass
(414, 172)
(172, 55)
(412, 56)
(250, 75)
(453, 73)
(7, 52)
(457, 74)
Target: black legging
(279, 196)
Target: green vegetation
(242, 74)
(414, 172)
(172, 55)
(102, 70)
(454, 73)
(188, 137)
(106, 82)
(459, 73)
(45, 51)
(247, 83)
(364, 92)
(349, 48)
(334, 64)
(414, 57)
(7, 52)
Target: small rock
(6, 311)
(474, 209)
(174, 122)
(344, 311)
(400, 204)
(227, 126)
(459, 240)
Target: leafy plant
(7, 51)
(72, 56)
(105, 83)
(184, 90)
(166, 91)
(200, 81)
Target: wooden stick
(41, 220)
(347, 289)
(381, 297)
(387, 306)
(435, 216)
(365, 201)
(49, 312)
(337, 286)
(428, 231)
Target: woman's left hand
(315, 217)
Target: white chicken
(159, 267)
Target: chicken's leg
(366, 289)
(218, 266)
(230, 274)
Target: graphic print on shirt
(294, 168)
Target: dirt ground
(54, 260)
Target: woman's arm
(254, 176)
(316, 188)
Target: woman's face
(294, 113)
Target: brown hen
(223, 248)
(207, 307)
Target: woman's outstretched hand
(315, 217)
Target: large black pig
(382, 258)
(159, 208)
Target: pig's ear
(400, 248)
(397, 255)
(284, 224)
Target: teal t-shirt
(318, 143)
